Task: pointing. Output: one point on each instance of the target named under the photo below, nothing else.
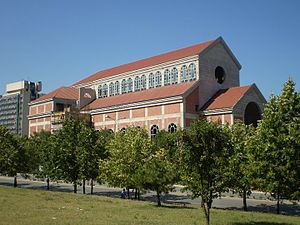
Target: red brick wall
(154, 110)
(172, 108)
(138, 112)
(191, 101)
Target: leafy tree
(160, 168)
(65, 152)
(277, 155)
(239, 170)
(205, 157)
(88, 158)
(126, 155)
(13, 155)
(158, 172)
(44, 164)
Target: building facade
(14, 107)
(163, 92)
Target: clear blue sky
(60, 42)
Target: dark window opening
(252, 114)
(220, 74)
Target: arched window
(137, 84)
(124, 86)
(154, 131)
(167, 77)
(117, 88)
(183, 74)
(174, 76)
(105, 90)
(151, 80)
(172, 128)
(158, 79)
(99, 91)
(130, 85)
(111, 89)
(192, 71)
(143, 82)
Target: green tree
(205, 157)
(239, 170)
(88, 158)
(277, 155)
(65, 152)
(14, 157)
(41, 143)
(125, 158)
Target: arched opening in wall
(220, 74)
(252, 114)
(154, 131)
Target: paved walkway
(175, 197)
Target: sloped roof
(62, 93)
(226, 98)
(135, 97)
(152, 61)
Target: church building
(163, 92)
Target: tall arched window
(172, 128)
(99, 91)
(174, 76)
(124, 86)
(167, 77)
(154, 131)
(151, 80)
(183, 74)
(111, 89)
(105, 90)
(143, 82)
(130, 85)
(192, 71)
(117, 88)
(137, 84)
(158, 79)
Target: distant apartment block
(14, 107)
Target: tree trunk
(206, 210)
(158, 198)
(138, 194)
(48, 183)
(278, 201)
(83, 186)
(75, 187)
(92, 186)
(245, 199)
(135, 194)
(128, 193)
(15, 181)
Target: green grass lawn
(24, 206)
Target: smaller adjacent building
(14, 107)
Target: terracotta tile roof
(62, 93)
(134, 97)
(152, 61)
(226, 98)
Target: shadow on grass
(285, 209)
(260, 223)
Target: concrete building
(163, 92)
(14, 107)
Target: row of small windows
(154, 80)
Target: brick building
(163, 92)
